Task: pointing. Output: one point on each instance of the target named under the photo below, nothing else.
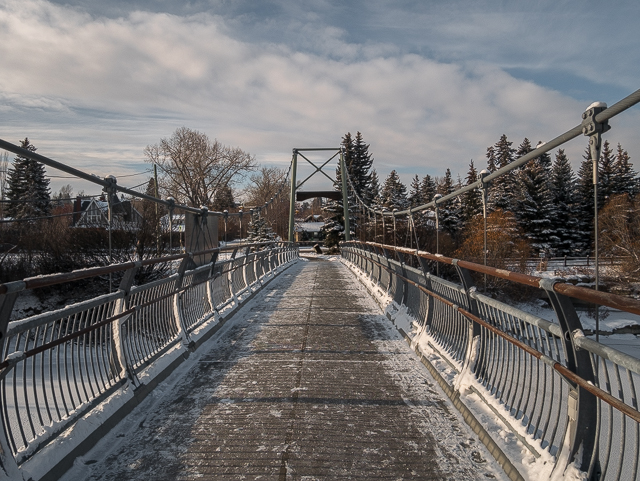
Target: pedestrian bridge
(260, 364)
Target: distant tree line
(37, 230)
(543, 208)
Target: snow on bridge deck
(307, 381)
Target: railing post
(213, 274)
(120, 361)
(474, 327)
(273, 257)
(245, 267)
(582, 406)
(386, 256)
(186, 264)
(405, 283)
(7, 302)
(256, 270)
(381, 260)
(428, 285)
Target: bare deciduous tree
(619, 222)
(264, 185)
(192, 167)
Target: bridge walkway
(308, 381)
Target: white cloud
(97, 90)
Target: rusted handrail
(614, 301)
(600, 382)
(61, 278)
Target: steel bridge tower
(330, 194)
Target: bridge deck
(308, 381)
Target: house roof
(309, 226)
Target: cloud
(97, 90)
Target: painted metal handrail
(567, 391)
(57, 366)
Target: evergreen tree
(472, 200)
(423, 220)
(358, 162)
(562, 213)
(223, 199)
(606, 173)
(28, 188)
(449, 213)
(394, 193)
(504, 151)
(259, 230)
(428, 188)
(374, 189)
(533, 204)
(502, 191)
(360, 168)
(624, 177)
(415, 193)
(584, 206)
(492, 164)
(544, 160)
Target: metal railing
(57, 366)
(575, 398)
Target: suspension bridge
(253, 361)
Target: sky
(429, 84)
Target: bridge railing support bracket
(582, 409)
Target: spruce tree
(374, 189)
(259, 230)
(449, 212)
(28, 188)
(492, 164)
(360, 168)
(606, 173)
(501, 193)
(471, 200)
(394, 193)
(415, 193)
(223, 199)
(562, 213)
(358, 162)
(584, 206)
(533, 204)
(428, 188)
(624, 177)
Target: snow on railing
(57, 366)
(566, 395)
